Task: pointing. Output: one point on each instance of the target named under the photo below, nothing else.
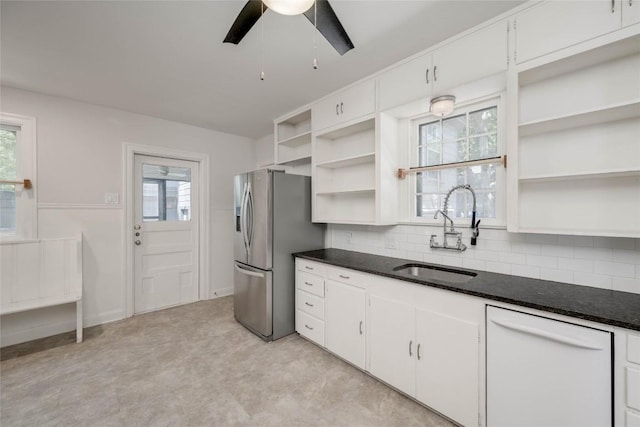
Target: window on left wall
(18, 216)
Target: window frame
(467, 107)
(26, 200)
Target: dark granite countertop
(610, 307)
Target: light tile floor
(192, 365)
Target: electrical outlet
(349, 237)
(111, 198)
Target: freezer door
(253, 298)
(240, 185)
(259, 219)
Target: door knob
(137, 233)
(138, 242)
(136, 227)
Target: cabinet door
(405, 83)
(447, 368)
(349, 104)
(630, 12)
(473, 57)
(345, 326)
(392, 344)
(558, 24)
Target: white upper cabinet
(555, 25)
(630, 12)
(351, 103)
(477, 55)
(406, 83)
(480, 54)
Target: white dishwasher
(543, 372)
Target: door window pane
(8, 165)
(166, 193)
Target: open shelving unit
(578, 144)
(346, 174)
(292, 137)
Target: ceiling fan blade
(249, 15)
(330, 27)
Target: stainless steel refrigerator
(272, 220)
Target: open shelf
(576, 176)
(344, 132)
(347, 191)
(591, 117)
(296, 140)
(294, 161)
(348, 161)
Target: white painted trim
(27, 225)
(79, 206)
(105, 317)
(223, 292)
(40, 331)
(129, 151)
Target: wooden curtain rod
(25, 182)
(402, 173)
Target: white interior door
(165, 234)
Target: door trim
(129, 152)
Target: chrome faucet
(452, 232)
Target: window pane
(482, 147)
(8, 171)
(430, 132)
(454, 151)
(166, 193)
(454, 128)
(483, 121)
(429, 154)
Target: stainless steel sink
(433, 272)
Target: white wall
(602, 262)
(80, 158)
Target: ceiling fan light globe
(289, 7)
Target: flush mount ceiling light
(289, 7)
(442, 105)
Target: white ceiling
(166, 58)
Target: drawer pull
(308, 284)
(308, 268)
(308, 327)
(344, 277)
(310, 305)
(361, 327)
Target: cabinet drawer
(310, 327)
(633, 389)
(310, 267)
(311, 283)
(346, 276)
(311, 304)
(633, 349)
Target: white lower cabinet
(345, 322)
(427, 355)
(392, 343)
(447, 365)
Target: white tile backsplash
(603, 262)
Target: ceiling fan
(328, 23)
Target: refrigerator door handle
(249, 217)
(243, 221)
(248, 272)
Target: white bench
(41, 273)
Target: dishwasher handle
(575, 342)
